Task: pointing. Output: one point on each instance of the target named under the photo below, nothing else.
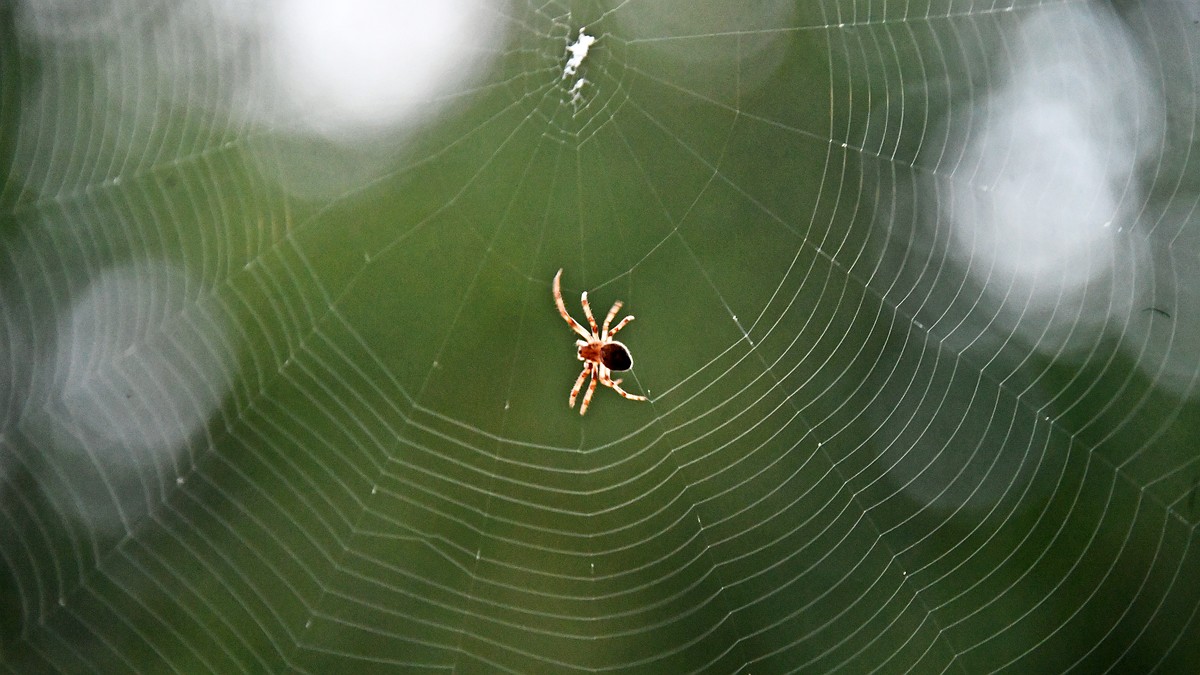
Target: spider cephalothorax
(600, 353)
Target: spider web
(915, 287)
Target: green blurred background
(280, 402)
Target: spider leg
(562, 309)
(587, 310)
(620, 325)
(606, 380)
(587, 398)
(587, 369)
(608, 319)
(616, 386)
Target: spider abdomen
(615, 356)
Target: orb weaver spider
(600, 353)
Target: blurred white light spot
(338, 87)
(358, 66)
(1047, 172)
(138, 368)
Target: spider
(600, 353)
